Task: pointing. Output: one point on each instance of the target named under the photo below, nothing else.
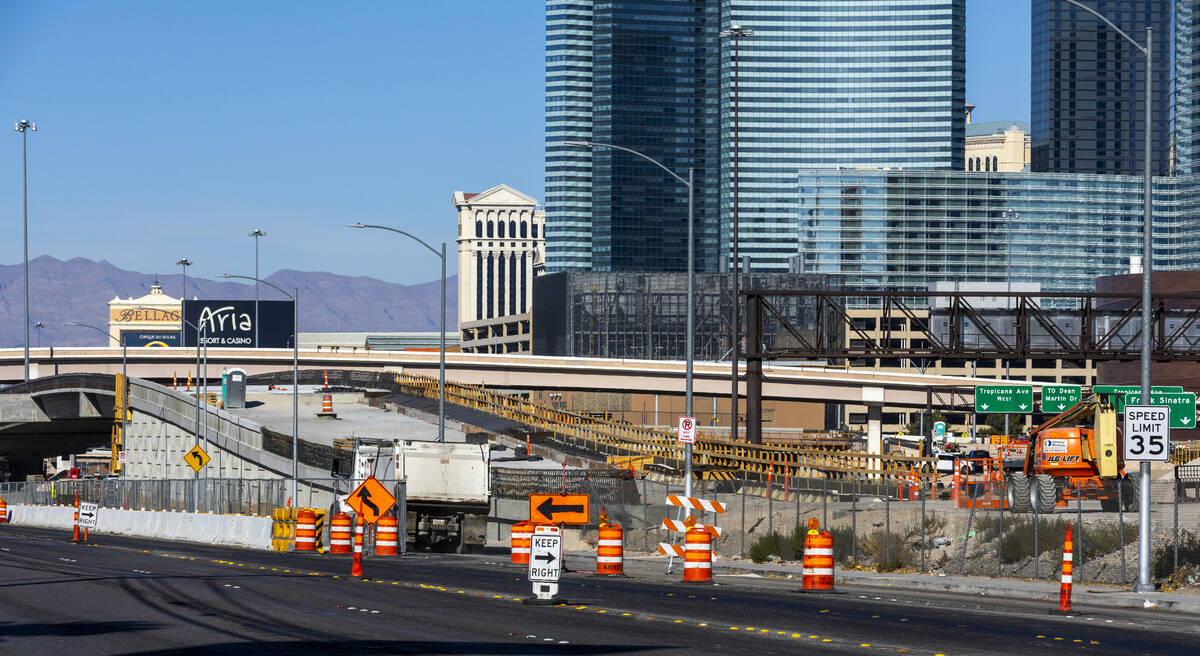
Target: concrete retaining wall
(231, 530)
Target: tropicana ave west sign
(1007, 399)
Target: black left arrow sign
(199, 457)
(549, 509)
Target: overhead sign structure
(371, 500)
(88, 512)
(230, 324)
(1181, 404)
(545, 554)
(196, 458)
(1005, 399)
(1147, 433)
(1056, 398)
(687, 430)
(560, 508)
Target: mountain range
(79, 289)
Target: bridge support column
(754, 375)
(873, 398)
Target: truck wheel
(1131, 491)
(1044, 494)
(1109, 504)
(1018, 492)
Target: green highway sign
(1182, 405)
(1125, 389)
(1006, 399)
(1056, 398)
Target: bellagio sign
(231, 323)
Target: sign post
(545, 564)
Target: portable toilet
(233, 388)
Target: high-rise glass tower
(1187, 96)
(1088, 87)
(820, 84)
(827, 84)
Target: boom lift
(1074, 454)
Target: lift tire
(1045, 493)
(1018, 492)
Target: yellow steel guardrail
(612, 438)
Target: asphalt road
(131, 596)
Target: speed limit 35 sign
(1147, 432)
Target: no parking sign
(687, 430)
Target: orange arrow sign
(560, 508)
(370, 500)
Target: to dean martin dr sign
(230, 324)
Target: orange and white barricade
(697, 556)
(340, 534)
(3, 512)
(818, 559)
(683, 527)
(610, 550)
(695, 504)
(387, 541)
(306, 530)
(521, 540)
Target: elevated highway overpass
(789, 383)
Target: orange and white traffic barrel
(356, 564)
(1068, 568)
(697, 556)
(818, 558)
(522, 538)
(326, 403)
(306, 530)
(386, 534)
(3, 512)
(610, 550)
(339, 534)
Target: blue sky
(170, 129)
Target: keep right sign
(1147, 433)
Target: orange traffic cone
(1068, 567)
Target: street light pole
(39, 325)
(185, 263)
(737, 33)
(25, 127)
(256, 233)
(691, 289)
(441, 326)
(295, 296)
(1144, 583)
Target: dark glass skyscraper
(822, 84)
(1187, 96)
(1088, 87)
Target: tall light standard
(441, 327)
(295, 296)
(737, 33)
(25, 127)
(124, 378)
(1144, 584)
(38, 325)
(256, 233)
(691, 269)
(185, 263)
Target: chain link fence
(922, 527)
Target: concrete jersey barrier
(229, 530)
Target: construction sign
(196, 458)
(371, 500)
(560, 508)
